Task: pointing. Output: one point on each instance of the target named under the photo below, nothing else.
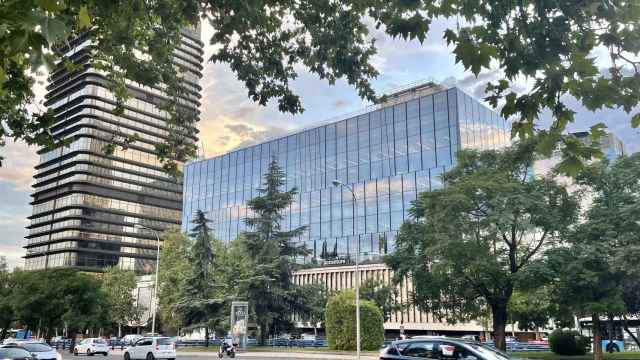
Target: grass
(552, 356)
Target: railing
(523, 347)
(297, 343)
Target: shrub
(568, 342)
(340, 323)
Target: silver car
(440, 348)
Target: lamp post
(338, 183)
(155, 287)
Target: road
(117, 355)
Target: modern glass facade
(387, 155)
(86, 203)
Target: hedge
(568, 342)
(340, 323)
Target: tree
(44, 300)
(119, 286)
(473, 241)
(341, 323)
(382, 295)
(265, 45)
(7, 286)
(591, 273)
(198, 307)
(173, 276)
(270, 254)
(314, 298)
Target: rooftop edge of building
(404, 93)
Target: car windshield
(489, 352)
(12, 353)
(163, 341)
(34, 347)
(99, 341)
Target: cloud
(17, 166)
(14, 210)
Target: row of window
(84, 235)
(107, 203)
(104, 161)
(89, 260)
(172, 188)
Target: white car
(130, 339)
(91, 346)
(151, 348)
(38, 350)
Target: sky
(230, 120)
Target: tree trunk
(206, 336)
(73, 341)
(499, 315)
(263, 334)
(119, 331)
(597, 338)
(626, 328)
(610, 330)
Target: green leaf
(53, 29)
(3, 75)
(51, 5)
(635, 120)
(84, 20)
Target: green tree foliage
(474, 241)
(568, 342)
(44, 300)
(270, 254)
(173, 275)
(198, 306)
(7, 286)
(119, 286)
(382, 295)
(555, 44)
(340, 323)
(314, 298)
(589, 276)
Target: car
(131, 339)
(151, 348)
(91, 346)
(38, 350)
(14, 353)
(442, 348)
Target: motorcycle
(229, 350)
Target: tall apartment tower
(88, 207)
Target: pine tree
(199, 307)
(201, 252)
(271, 294)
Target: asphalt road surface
(117, 355)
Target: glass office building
(86, 204)
(388, 154)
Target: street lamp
(338, 183)
(155, 287)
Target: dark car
(15, 353)
(440, 348)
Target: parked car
(91, 346)
(14, 353)
(437, 347)
(38, 350)
(131, 339)
(151, 348)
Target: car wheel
(150, 356)
(75, 352)
(89, 353)
(105, 353)
(127, 356)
